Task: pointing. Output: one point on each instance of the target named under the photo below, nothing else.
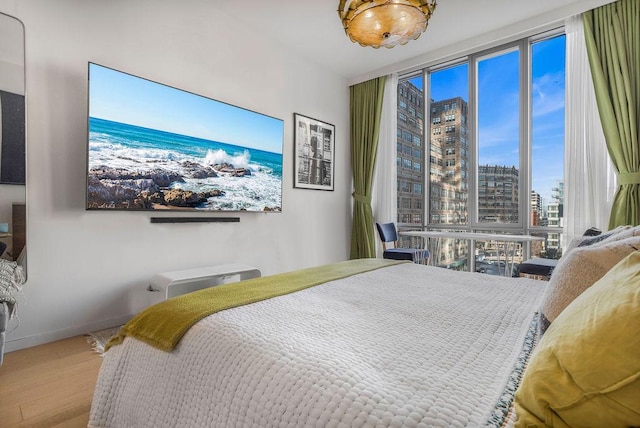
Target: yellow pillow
(585, 371)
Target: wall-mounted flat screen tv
(155, 147)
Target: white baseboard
(52, 336)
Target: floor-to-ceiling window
(498, 102)
(547, 144)
(480, 148)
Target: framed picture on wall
(314, 144)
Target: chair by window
(389, 238)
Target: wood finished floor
(49, 385)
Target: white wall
(88, 270)
(487, 34)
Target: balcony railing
(487, 256)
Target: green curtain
(365, 111)
(612, 35)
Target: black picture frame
(314, 153)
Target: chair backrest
(387, 232)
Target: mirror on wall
(12, 140)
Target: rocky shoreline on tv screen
(155, 189)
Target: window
(495, 140)
(547, 148)
(498, 84)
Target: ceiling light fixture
(385, 23)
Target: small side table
(538, 268)
(170, 284)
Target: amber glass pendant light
(385, 23)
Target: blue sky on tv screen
(124, 98)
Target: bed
(359, 343)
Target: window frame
(472, 60)
(549, 34)
(470, 122)
(524, 46)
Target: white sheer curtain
(589, 174)
(384, 193)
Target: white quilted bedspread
(406, 345)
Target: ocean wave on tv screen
(249, 179)
(250, 193)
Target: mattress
(405, 345)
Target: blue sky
(548, 71)
(124, 98)
(498, 127)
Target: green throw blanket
(164, 324)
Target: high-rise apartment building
(448, 174)
(448, 159)
(498, 194)
(555, 214)
(449, 162)
(536, 208)
(410, 154)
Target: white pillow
(581, 268)
(620, 232)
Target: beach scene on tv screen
(154, 147)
